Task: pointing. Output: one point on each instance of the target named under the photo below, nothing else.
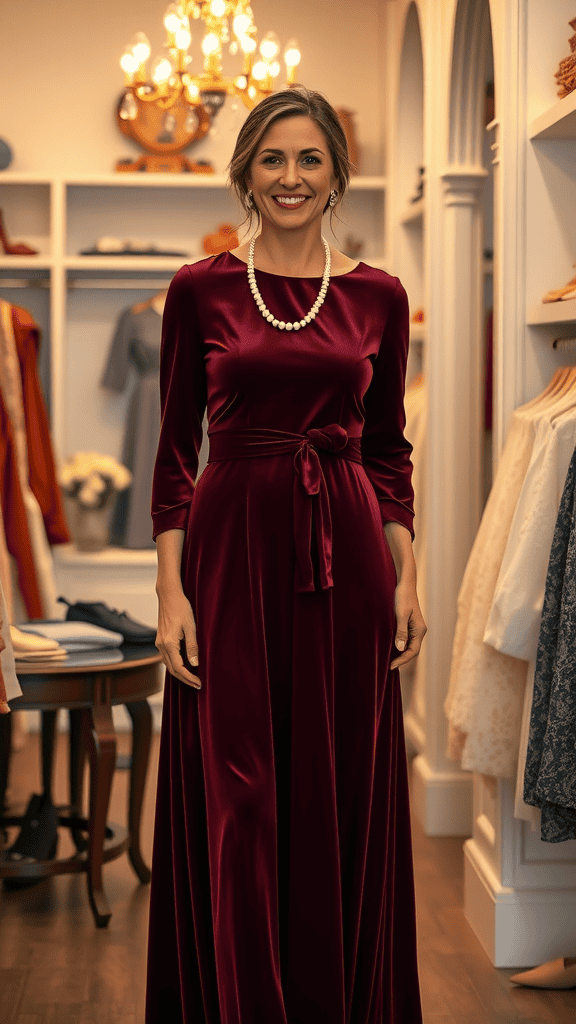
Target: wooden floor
(57, 968)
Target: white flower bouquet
(91, 478)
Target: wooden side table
(89, 692)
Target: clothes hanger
(154, 302)
(551, 393)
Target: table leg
(5, 746)
(76, 760)
(48, 740)
(141, 715)
(101, 741)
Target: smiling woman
(282, 885)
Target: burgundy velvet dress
(282, 881)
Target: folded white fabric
(24, 643)
(74, 636)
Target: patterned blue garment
(550, 775)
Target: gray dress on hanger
(136, 343)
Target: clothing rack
(154, 284)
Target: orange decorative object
(418, 317)
(222, 240)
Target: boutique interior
(460, 117)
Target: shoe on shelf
(558, 293)
(13, 248)
(554, 974)
(37, 839)
(99, 614)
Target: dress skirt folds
(282, 881)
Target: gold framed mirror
(163, 134)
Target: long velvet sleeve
(385, 450)
(183, 402)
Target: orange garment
(41, 469)
(18, 539)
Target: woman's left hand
(410, 626)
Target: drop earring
(333, 198)
(250, 197)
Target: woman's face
(292, 173)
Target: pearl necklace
(262, 305)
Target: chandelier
(171, 81)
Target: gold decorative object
(168, 109)
(221, 241)
(566, 74)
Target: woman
(282, 886)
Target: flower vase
(92, 527)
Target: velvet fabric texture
(282, 881)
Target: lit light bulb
(241, 82)
(292, 54)
(251, 92)
(241, 25)
(161, 70)
(270, 46)
(192, 91)
(128, 108)
(128, 62)
(172, 19)
(233, 48)
(210, 44)
(141, 47)
(274, 69)
(259, 71)
(218, 8)
(182, 38)
(247, 44)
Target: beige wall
(60, 76)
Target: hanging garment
(486, 689)
(9, 685)
(282, 881)
(136, 343)
(41, 468)
(12, 389)
(15, 520)
(514, 620)
(550, 776)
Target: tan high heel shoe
(14, 248)
(558, 293)
(554, 974)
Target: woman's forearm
(400, 542)
(169, 546)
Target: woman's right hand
(176, 623)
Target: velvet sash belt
(310, 490)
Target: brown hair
(295, 102)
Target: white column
(441, 792)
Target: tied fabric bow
(310, 479)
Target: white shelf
(414, 213)
(128, 263)
(38, 262)
(142, 180)
(136, 179)
(553, 313)
(68, 555)
(558, 122)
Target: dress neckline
(290, 277)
